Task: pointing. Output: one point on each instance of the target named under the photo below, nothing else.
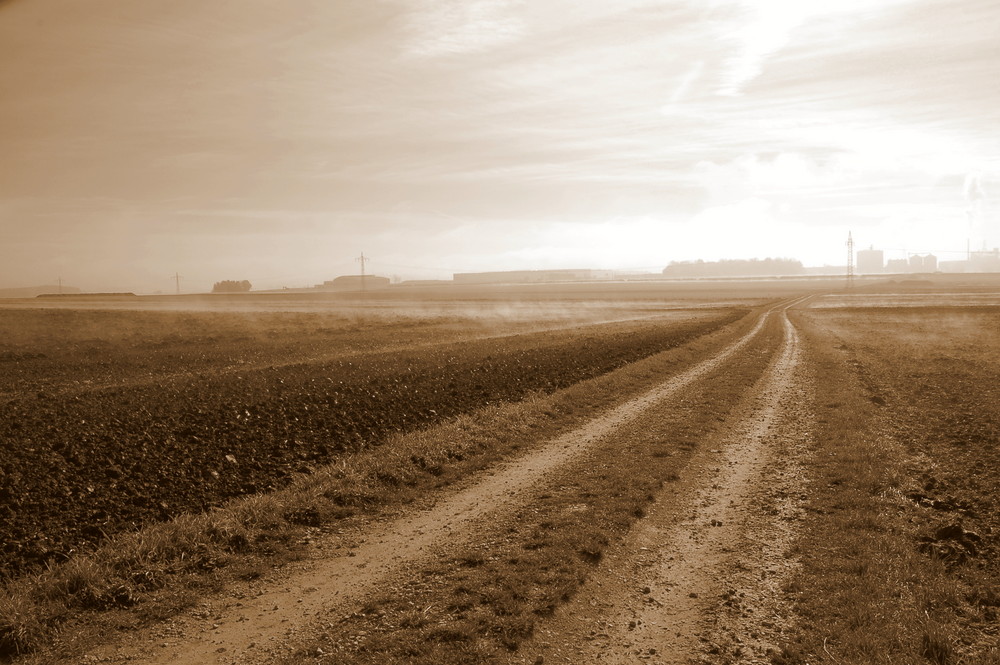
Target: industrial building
(354, 283)
(985, 261)
(870, 261)
(897, 265)
(981, 261)
(919, 263)
(915, 263)
(532, 276)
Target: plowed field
(778, 485)
(122, 420)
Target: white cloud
(366, 118)
(756, 228)
(787, 175)
(764, 27)
(453, 27)
(684, 84)
(766, 30)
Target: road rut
(250, 630)
(700, 578)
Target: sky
(276, 142)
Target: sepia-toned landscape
(495, 332)
(762, 473)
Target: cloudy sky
(250, 139)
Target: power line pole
(60, 286)
(177, 279)
(850, 261)
(362, 259)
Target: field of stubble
(899, 552)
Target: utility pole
(850, 261)
(60, 286)
(177, 280)
(362, 259)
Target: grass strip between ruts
(482, 600)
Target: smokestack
(975, 195)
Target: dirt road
(701, 576)
(654, 595)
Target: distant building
(897, 265)
(922, 263)
(985, 261)
(531, 276)
(769, 267)
(915, 263)
(953, 266)
(870, 261)
(424, 282)
(354, 283)
(825, 270)
(33, 291)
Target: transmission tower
(362, 259)
(850, 261)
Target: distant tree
(231, 286)
(734, 268)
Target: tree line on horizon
(734, 268)
(231, 286)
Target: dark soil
(78, 466)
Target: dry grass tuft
(21, 626)
(870, 590)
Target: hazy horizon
(276, 143)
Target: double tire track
(701, 578)
(259, 629)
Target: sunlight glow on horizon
(275, 144)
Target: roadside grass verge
(894, 570)
(480, 600)
(154, 573)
